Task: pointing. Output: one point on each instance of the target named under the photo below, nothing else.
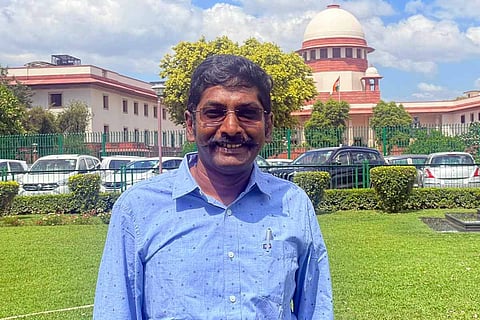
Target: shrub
(393, 185)
(12, 221)
(8, 191)
(313, 183)
(85, 190)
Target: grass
(49, 268)
(387, 266)
(384, 266)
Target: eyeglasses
(249, 116)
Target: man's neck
(224, 188)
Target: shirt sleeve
(313, 297)
(120, 279)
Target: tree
(74, 119)
(292, 78)
(392, 124)
(430, 141)
(39, 121)
(11, 112)
(21, 92)
(327, 123)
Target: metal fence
(286, 143)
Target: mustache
(212, 142)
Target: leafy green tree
(471, 139)
(430, 141)
(74, 119)
(293, 84)
(327, 123)
(21, 92)
(40, 121)
(11, 112)
(392, 124)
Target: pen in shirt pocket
(267, 245)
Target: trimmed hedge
(8, 191)
(314, 184)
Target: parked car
(450, 169)
(49, 174)
(12, 169)
(347, 165)
(417, 160)
(262, 164)
(279, 162)
(135, 171)
(111, 163)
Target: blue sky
(425, 50)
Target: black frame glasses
(214, 116)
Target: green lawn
(383, 267)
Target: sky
(426, 50)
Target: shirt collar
(185, 183)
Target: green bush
(348, 199)
(8, 191)
(85, 190)
(393, 185)
(314, 184)
(58, 203)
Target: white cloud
(413, 7)
(477, 83)
(429, 87)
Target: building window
(155, 112)
(55, 99)
(304, 55)
(359, 53)
(146, 137)
(125, 134)
(164, 114)
(106, 129)
(105, 102)
(312, 55)
(472, 117)
(348, 52)
(136, 134)
(462, 118)
(145, 110)
(135, 108)
(336, 53)
(323, 53)
(479, 116)
(125, 106)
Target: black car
(347, 165)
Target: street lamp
(159, 89)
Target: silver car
(450, 169)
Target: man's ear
(269, 127)
(190, 122)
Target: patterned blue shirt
(173, 252)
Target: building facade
(334, 46)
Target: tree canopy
(292, 78)
(392, 124)
(40, 121)
(327, 123)
(74, 118)
(11, 112)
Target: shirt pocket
(279, 263)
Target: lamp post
(159, 89)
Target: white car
(12, 169)
(450, 169)
(136, 171)
(109, 164)
(49, 174)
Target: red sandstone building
(334, 46)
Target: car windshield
(143, 165)
(314, 157)
(54, 165)
(452, 159)
(117, 164)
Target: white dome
(333, 22)
(372, 72)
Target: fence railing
(286, 143)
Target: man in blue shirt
(217, 238)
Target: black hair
(229, 71)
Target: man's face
(229, 142)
